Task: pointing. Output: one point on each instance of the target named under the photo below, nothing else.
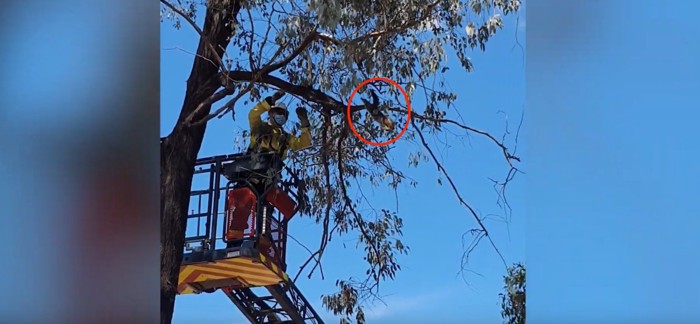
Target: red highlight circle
(408, 105)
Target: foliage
(318, 52)
(513, 299)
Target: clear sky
(612, 214)
(429, 288)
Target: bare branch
(459, 196)
(267, 33)
(251, 41)
(227, 106)
(188, 52)
(348, 202)
(325, 237)
(219, 61)
(313, 256)
(329, 193)
(500, 187)
(220, 34)
(469, 248)
(227, 91)
(304, 43)
(500, 144)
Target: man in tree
(265, 138)
(408, 41)
(270, 136)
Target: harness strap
(267, 131)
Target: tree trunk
(178, 153)
(179, 149)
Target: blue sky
(612, 184)
(429, 287)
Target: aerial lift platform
(236, 265)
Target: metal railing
(205, 239)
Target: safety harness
(265, 132)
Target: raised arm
(255, 113)
(304, 140)
(301, 142)
(262, 107)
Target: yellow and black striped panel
(249, 272)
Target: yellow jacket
(270, 138)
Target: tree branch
(348, 202)
(329, 194)
(379, 33)
(329, 201)
(302, 46)
(221, 94)
(199, 31)
(509, 157)
(407, 25)
(265, 70)
(267, 32)
(205, 77)
(456, 191)
(226, 106)
(251, 41)
(312, 257)
(306, 92)
(262, 75)
(230, 88)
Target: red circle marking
(408, 105)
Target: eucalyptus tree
(318, 51)
(513, 300)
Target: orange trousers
(242, 208)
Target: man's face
(277, 119)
